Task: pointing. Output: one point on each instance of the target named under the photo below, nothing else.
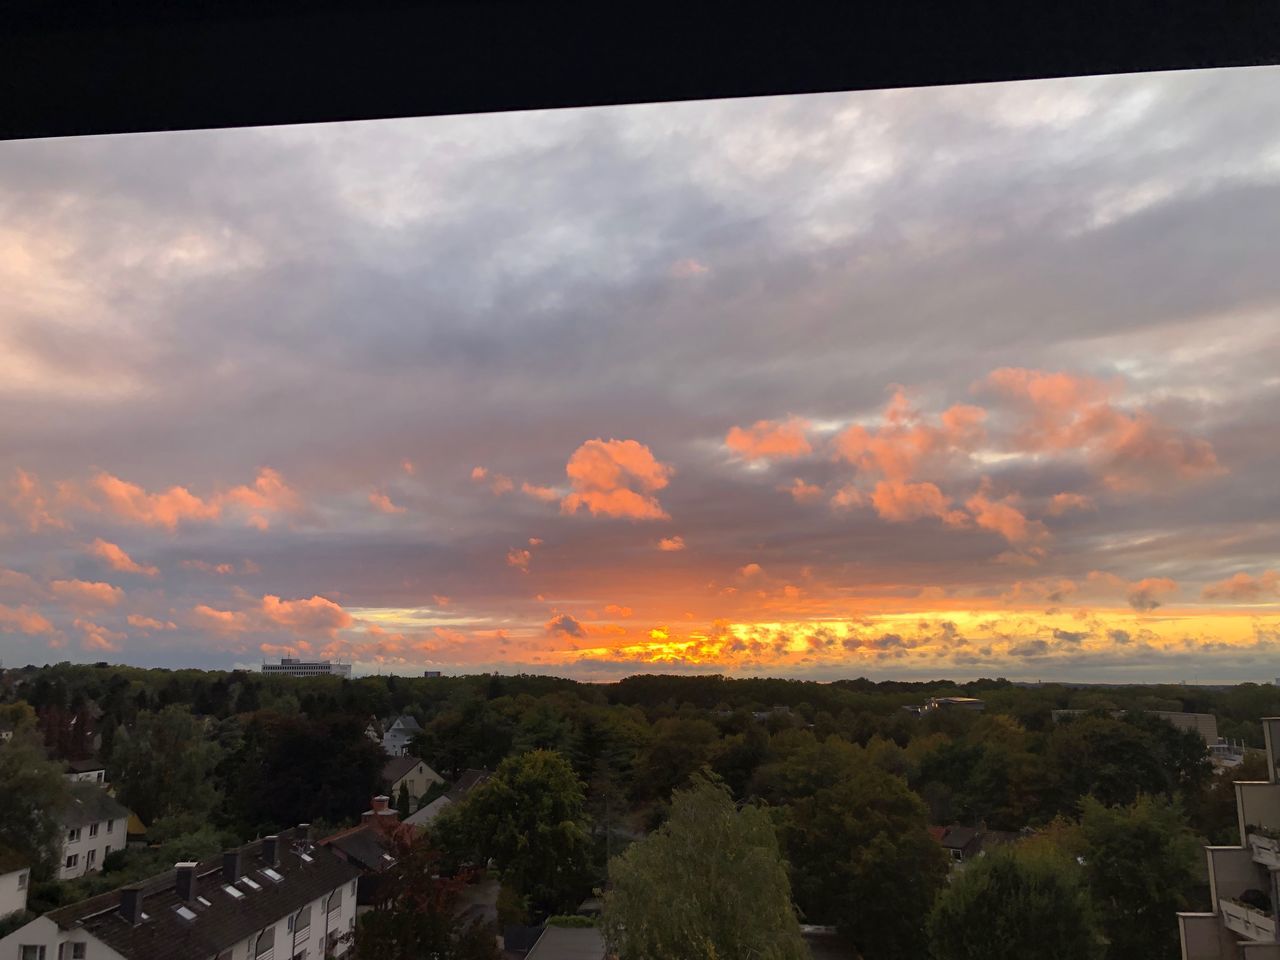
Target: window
(91, 858)
(100, 776)
(334, 901)
(105, 851)
(78, 951)
(26, 952)
(22, 880)
(72, 860)
(301, 920)
(111, 825)
(93, 829)
(266, 941)
(73, 835)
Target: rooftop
(91, 804)
(397, 767)
(85, 766)
(221, 920)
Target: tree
(402, 801)
(33, 793)
(1141, 864)
(679, 747)
(1015, 904)
(163, 766)
(417, 914)
(530, 820)
(709, 883)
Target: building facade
(15, 878)
(1243, 887)
(281, 897)
(397, 734)
(93, 824)
(292, 667)
(86, 771)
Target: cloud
(545, 494)
(478, 474)
(97, 638)
(1066, 502)
(847, 496)
(382, 502)
(535, 541)
(519, 559)
(770, 440)
(899, 501)
(1119, 636)
(1029, 648)
(614, 610)
(219, 568)
(1146, 595)
(616, 478)
(751, 570)
(87, 593)
(268, 494)
(1070, 636)
(1242, 588)
(23, 620)
(315, 613)
(407, 466)
(689, 267)
(906, 441)
(501, 484)
(671, 544)
(565, 625)
(117, 559)
(801, 491)
(1004, 517)
(222, 621)
(150, 623)
(29, 501)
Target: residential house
(94, 823)
(1243, 891)
(961, 843)
(469, 780)
(15, 876)
(278, 897)
(408, 772)
(86, 771)
(370, 847)
(397, 734)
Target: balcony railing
(1266, 850)
(1248, 921)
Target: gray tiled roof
(224, 923)
(91, 804)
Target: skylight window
(186, 913)
(306, 856)
(237, 894)
(272, 875)
(251, 884)
(204, 901)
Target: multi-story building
(292, 667)
(397, 734)
(15, 877)
(94, 823)
(1243, 888)
(281, 897)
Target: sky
(969, 381)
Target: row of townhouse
(282, 896)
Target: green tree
(530, 819)
(680, 745)
(402, 801)
(1141, 863)
(33, 793)
(1016, 904)
(164, 765)
(418, 917)
(709, 883)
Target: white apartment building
(1243, 879)
(93, 824)
(292, 667)
(15, 878)
(281, 897)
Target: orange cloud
(501, 484)
(29, 501)
(1004, 517)
(408, 467)
(23, 620)
(545, 494)
(671, 544)
(87, 593)
(269, 493)
(95, 637)
(1037, 592)
(1064, 412)
(847, 496)
(224, 621)
(1242, 588)
(148, 623)
(535, 541)
(900, 501)
(441, 600)
(616, 611)
(1143, 595)
(316, 613)
(479, 473)
(751, 570)
(1065, 502)
(565, 625)
(382, 502)
(905, 441)
(770, 440)
(117, 559)
(802, 492)
(519, 559)
(219, 568)
(616, 478)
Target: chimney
(231, 866)
(131, 904)
(271, 850)
(303, 833)
(380, 803)
(186, 884)
(378, 810)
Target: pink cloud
(382, 503)
(616, 478)
(86, 593)
(29, 500)
(671, 544)
(223, 621)
(688, 267)
(900, 502)
(23, 620)
(441, 600)
(847, 496)
(117, 559)
(94, 637)
(906, 441)
(770, 440)
(221, 569)
(1243, 588)
(1004, 517)
(315, 613)
(614, 610)
(535, 541)
(801, 491)
(149, 623)
(268, 494)
(501, 484)
(408, 467)
(519, 559)
(545, 494)
(1066, 502)
(751, 570)
(478, 474)
(1143, 595)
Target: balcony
(1265, 849)
(1248, 921)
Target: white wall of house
(89, 776)
(418, 780)
(43, 934)
(84, 848)
(13, 891)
